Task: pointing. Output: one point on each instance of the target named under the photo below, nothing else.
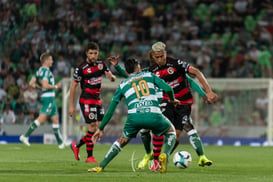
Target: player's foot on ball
(204, 161)
(75, 150)
(95, 169)
(144, 162)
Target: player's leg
(56, 126)
(169, 141)
(157, 147)
(128, 132)
(146, 140)
(25, 137)
(196, 143)
(168, 111)
(178, 133)
(89, 144)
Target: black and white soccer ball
(182, 159)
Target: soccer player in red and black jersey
(174, 71)
(89, 75)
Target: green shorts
(49, 106)
(158, 123)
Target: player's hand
(71, 111)
(212, 97)
(113, 60)
(113, 78)
(205, 99)
(175, 102)
(97, 136)
(59, 85)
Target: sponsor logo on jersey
(143, 103)
(170, 70)
(100, 66)
(91, 116)
(89, 70)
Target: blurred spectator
(261, 105)
(2, 131)
(265, 62)
(30, 94)
(8, 115)
(3, 94)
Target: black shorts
(92, 113)
(178, 115)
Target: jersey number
(144, 89)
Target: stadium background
(222, 38)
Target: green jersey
(139, 91)
(44, 73)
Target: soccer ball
(182, 159)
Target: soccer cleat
(75, 150)
(91, 160)
(156, 166)
(95, 169)
(144, 162)
(61, 146)
(163, 160)
(204, 161)
(24, 140)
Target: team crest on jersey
(91, 116)
(100, 66)
(89, 70)
(157, 73)
(170, 70)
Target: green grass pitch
(47, 163)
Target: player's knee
(188, 126)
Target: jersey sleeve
(77, 75)
(195, 86)
(164, 86)
(121, 71)
(45, 75)
(111, 110)
(183, 65)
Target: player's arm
(110, 76)
(212, 97)
(114, 61)
(32, 82)
(73, 87)
(195, 86)
(198, 89)
(108, 115)
(46, 85)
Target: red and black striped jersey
(174, 73)
(90, 77)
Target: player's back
(139, 91)
(44, 73)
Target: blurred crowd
(223, 38)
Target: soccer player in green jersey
(139, 91)
(145, 134)
(44, 79)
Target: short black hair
(131, 64)
(92, 46)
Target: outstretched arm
(111, 110)
(212, 97)
(114, 61)
(71, 109)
